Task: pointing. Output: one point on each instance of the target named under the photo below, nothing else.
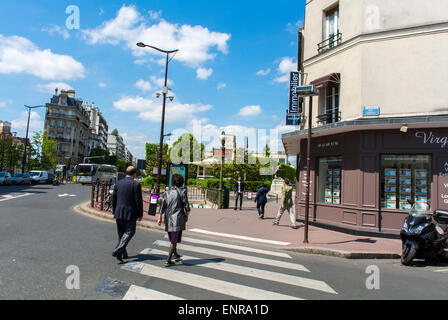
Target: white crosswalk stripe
(236, 256)
(252, 272)
(206, 283)
(190, 273)
(232, 246)
(140, 293)
(6, 197)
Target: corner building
(380, 119)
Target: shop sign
(294, 82)
(328, 144)
(430, 138)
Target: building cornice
(383, 35)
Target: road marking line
(10, 197)
(231, 246)
(236, 256)
(227, 235)
(209, 284)
(252, 272)
(141, 293)
(441, 270)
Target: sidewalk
(245, 227)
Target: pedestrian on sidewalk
(176, 208)
(286, 204)
(239, 193)
(127, 207)
(261, 200)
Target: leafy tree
(187, 143)
(287, 172)
(10, 155)
(121, 165)
(151, 156)
(44, 151)
(114, 132)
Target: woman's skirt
(175, 236)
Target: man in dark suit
(239, 192)
(127, 207)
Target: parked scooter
(424, 235)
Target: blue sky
(229, 73)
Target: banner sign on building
(293, 119)
(294, 81)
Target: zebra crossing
(13, 195)
(251, 263)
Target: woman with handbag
(176, 208)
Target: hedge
(213, 183)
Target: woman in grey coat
(176, 209)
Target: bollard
(103, 189)
(92, 198)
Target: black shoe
(119, 257)
(177, 258)
(234, 209)
(241, 209)
(125, 255)
(169, 263)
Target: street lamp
(307, 91)
(223, 141)
(26, 139)
(164, 92)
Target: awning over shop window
(330, 80)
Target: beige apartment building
(380, 118)
(68, 123)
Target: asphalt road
(41, 235)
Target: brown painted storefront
(362, 157)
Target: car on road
(39, 177)
(5, 178)
(21, 178)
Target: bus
(85, 173)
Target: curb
(85, 209)
(343, 254)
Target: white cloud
(155, 15)
(58, 30)
(263, 72)
(248, 111)
(51, 86)
(136, 143)
(221, 85)
(36, 122)
(285, 66)
(203, 73)
(102, 85)
(20, 55)
(196, 44)
(143, 85)
(150, 109)
(160, 82)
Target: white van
(39, 176)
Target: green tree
(187, 143)
(10, 155)
(114, 132)
(287, 172)
(45, 151)
(151, 156)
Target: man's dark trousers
(240, 196)
(260, 208)
(126, 230)
(127, 204)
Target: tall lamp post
(164, 92)
(307, 91)
(223, 141)
(26, 139)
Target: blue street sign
(370, 111)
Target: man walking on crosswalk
(286, 204)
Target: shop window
(330, 172)
(405, 177)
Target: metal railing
(100, 197)
(332, 41)
(329, 117)
(212, 195)
(195, 193)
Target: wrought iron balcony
(332, 41)
(329, 117)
